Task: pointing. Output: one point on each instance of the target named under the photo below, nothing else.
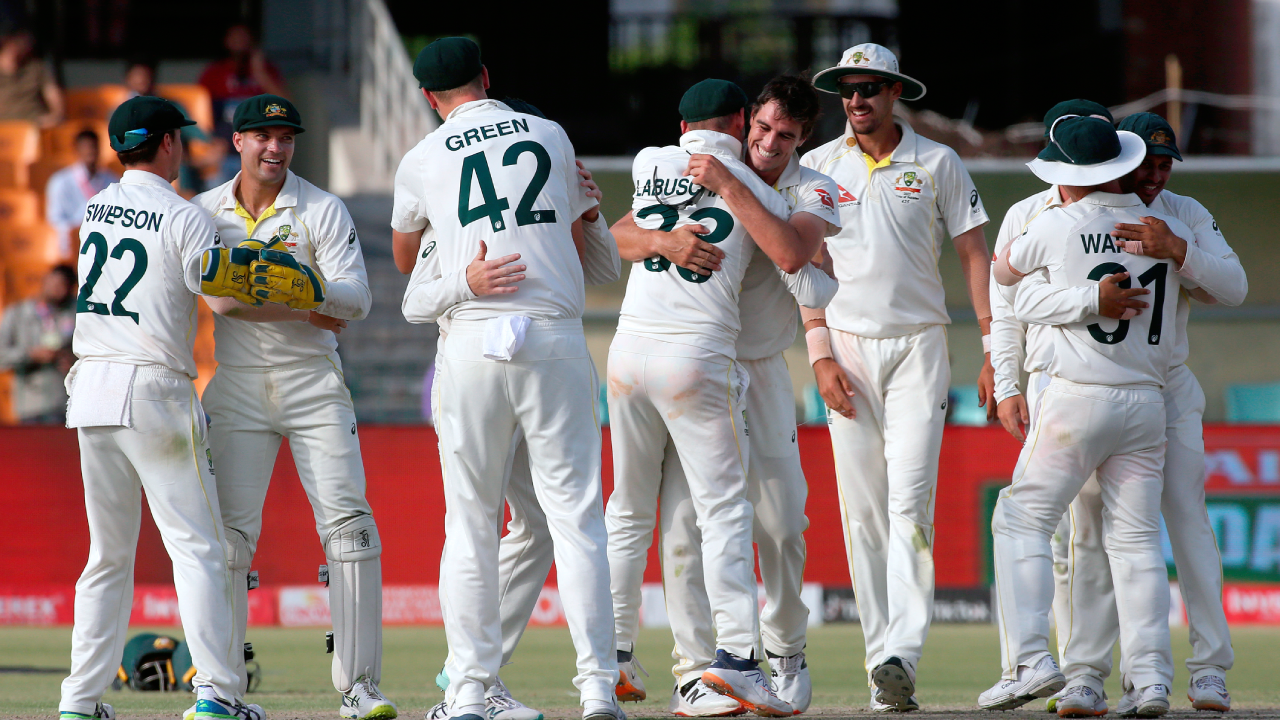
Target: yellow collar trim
(250, 222)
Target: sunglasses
(867, 89)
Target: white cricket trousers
(166, 455)
(547, 391)
(698, 401)
(777, 490)
(886, 471)
(1119, 431)
(252, 410)
(1089, 627)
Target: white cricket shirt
(1074, 243)
(491, 175)
(316, 228)
(669, 303)
(139, 270)
(768, 299)
(896, 215)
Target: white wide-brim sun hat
(868, 59)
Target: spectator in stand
(69, 190)
(245, 72)
(28, 89)
(140, 79)
(35, 343)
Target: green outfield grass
(960, 661)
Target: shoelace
(1211, 682)
(787, 665)
(503, 702)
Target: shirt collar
(143, 177)
(286, 198)
(475, 105)
(904, 152)
(791, 175)
(711, 142)
(1106, 199)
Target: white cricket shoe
(1040, 681)
(211, 707)
(630, 688)
(695, 699)
(1081, 701)
(791, 680)
(439, 712)
(910, 705)
(895, 681)
(601, 710)
(365, 702)
(743, 681)
(1148, 702)
(1209, 692)
(102, 711)
(464, 712)
(499, 704)
(1051, 705)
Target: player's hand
(1158, 241)
(494, 277)
(325, 322)
(1116, 302)
(593, 191)
(987, 389)
(683, 247)
(710, 173)
(835, 387)
(1014, 416)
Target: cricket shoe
(910, 705)
(1051, 705)
(439, 712)
(499, 704)
(630, 688)
(602, 710)
(695, 699)
(103, 711)
(1081, 701)
(211, 707)
(791, 680)
(744, 681)
(1207, 692)
(1151, 701)
(894, 680)
(1040, 681)
(365, 702)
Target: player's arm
(431, 293)
(404, 249)
(1210, 262)
(971, 245)
(813, 285)
(340, 261)
(1042, 303)
(600, 261)
(408, 212)
(681, 246)
(775, 236)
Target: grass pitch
(960, 661)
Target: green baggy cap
(266, 111)
(711, 99)
(1155, 131)
(447, 63)
(143, 117)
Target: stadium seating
(19, 207)
(194, 99)
(94, 103)
(19, 147)
(1253, 403)
(60, 142)
(27, 251)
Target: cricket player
(782, 117)
(525, 553)
(1102, 411)
(489, 179)
(673, 371)
(139, 422)
(279, 376)
(1084, 599)
(879, 352)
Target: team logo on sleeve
(427, 250)
(825, 197)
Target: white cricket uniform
(888, 335)
(1084, 603)
(284, 380)
(775, 480)
(141, 427)
(509, 180)
(672, 370)
(1102, 411)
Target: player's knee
(354, 540)
(239, 551)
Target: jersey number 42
(475, 168)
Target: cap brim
(829, 80)
(1164, 150)
(271, 123)
(1132, 151)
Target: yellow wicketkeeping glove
(224, 272)
(277, 277)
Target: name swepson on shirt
(128, 217)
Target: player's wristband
(819, 341)
(986, 344)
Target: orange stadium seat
(28, 251)
(94, 103)
(60, 141)
(19, 147)
(18, 207)
(194, 99)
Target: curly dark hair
(796, 98)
